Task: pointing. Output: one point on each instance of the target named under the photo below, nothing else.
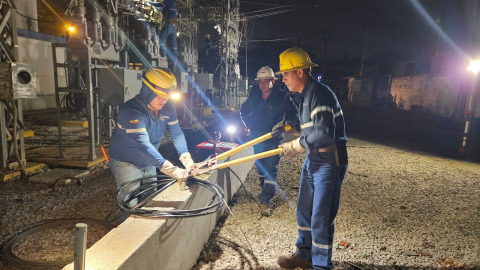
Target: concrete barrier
(147, 243)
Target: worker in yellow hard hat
(207, 43)
(141, 123)
(323, 137)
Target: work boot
(293, 261)
(266, 211)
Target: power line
(270, 8)
(35, 19)
(267, 40)
(271, 13)
(260, 3)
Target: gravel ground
(398, 210)
(25, 204)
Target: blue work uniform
(137, 136)
(322, 124)
(169, 29)
(260, 115)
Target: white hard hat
(265, 73)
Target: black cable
(248, 195)
(9, 257)
(146, 191)
(35, 19)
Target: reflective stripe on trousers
(317, 208)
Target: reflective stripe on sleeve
(322, 246)
(135, 130)
(309, 124)
(270, 182)
(132, 130)
(338, 114)
(320, 109)
(172, 123)
(304, 228)
(325, 109)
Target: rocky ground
(398, 210)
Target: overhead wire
(257, 3)
(272, 13)
(35, 19)
(256, 11)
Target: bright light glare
(474, 66)
(71, 29)
(178, 34)
(231, 129)
(175, 96)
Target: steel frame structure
(9, 54)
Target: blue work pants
(168, 30)
(267, 171)
(125, 172)
(317, 207)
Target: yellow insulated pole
(248, 144)
(250, 158)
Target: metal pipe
(80, 246)
(250, 158)
(248, 144)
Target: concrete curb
(145, 243)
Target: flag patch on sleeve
(133, 122)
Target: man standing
(260, 112)
(141, 123)
(323, 136)
(170, 25)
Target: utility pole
(325, 56)
(364, 53)
(325, 39)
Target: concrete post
(80, 246)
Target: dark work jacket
(169, 9)
(321, 118)
(261, 115)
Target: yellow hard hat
(207, 35)
(160, 80)
(294, 59)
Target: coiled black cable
(147, 190)
(9, 257)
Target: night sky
(395, 29)
(391, 25)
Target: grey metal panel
(118, 85)
(204, 80)
(108, 54)
(182, 82)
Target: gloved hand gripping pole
(213, 163)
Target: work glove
(295, 131)
(187, 161)
(291, 149)
(175, 172)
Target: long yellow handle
(248, 144)
(250, 158)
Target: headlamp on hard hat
(161, 81)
